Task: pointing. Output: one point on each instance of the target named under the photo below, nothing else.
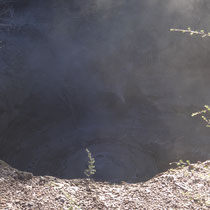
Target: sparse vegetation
(180, 188)
(203, 114)
(91, 167)
(202, 33)
(181, 163)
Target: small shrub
(203, 113)
(202, 33)
(181, 163)
(91, 167)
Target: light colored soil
(180, 188)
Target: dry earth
(185, 187)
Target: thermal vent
(107, 75)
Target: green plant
(207, 108)
(202, 33)
(181, 163)
(91, 167)
(202, 113)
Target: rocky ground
(186, 187)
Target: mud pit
(107, 76)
